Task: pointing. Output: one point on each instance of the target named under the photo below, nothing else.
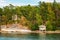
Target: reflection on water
(30, 37)
(42, 36)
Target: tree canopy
(44, 13)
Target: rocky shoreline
(31, 32)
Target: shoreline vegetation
(19, 29)
(31, 18)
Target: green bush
(49, 26)
(34, 27)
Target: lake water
(30, 37)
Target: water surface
(30, 36)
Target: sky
(22, 2)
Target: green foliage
(49, 25)
(45, 13)
(38, 19)
(34, 27)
